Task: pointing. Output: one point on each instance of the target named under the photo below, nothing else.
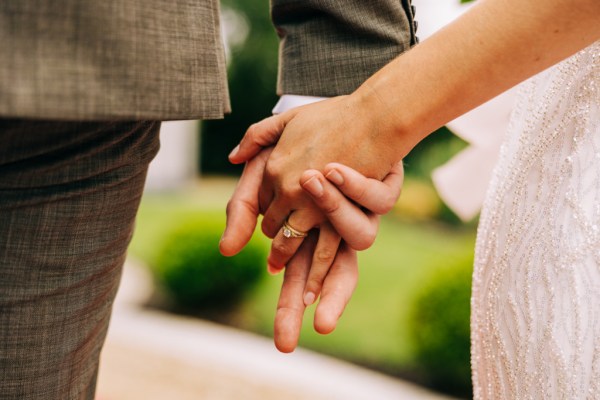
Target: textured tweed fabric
(164, 59)
(109, 59)
(69, 193)
(329, 47)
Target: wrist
(392, 132)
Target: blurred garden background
(409, 317)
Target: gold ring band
(290, 232)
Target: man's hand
(338, 286)
(319, 268)
(243, 207)
(242, 213)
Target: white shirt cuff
(289, 101)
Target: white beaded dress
(535, 321)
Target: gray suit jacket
(164, 59)
(329, 47)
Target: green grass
(373, 330)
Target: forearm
(494, 46)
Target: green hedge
(439, 329)
(195, 276)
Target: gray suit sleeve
(329, 47)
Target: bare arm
(493, 46)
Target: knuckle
(240, 205)
(331, 207)
(297, 279)
(361, 194)
(251, 131)
(289, 309)
(229, 207)
(314, 284)
(279, 248)
(291, 190)
(274, 171)
(271, 168)
(324, 256)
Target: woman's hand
(352, 204)
(335, 285)
(344, 129)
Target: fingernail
(234, 151)
(335, 177)
(314, 186)
(309, 298)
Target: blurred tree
(252, 75)
(439, 328)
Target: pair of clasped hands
(289, 176)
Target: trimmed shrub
(439, 329)
(197, 277)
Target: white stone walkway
(153, 355)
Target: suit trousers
(69, 193)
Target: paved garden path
(153, 355)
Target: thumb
(260, 135)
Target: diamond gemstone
(287, 233)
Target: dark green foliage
(432, 152)
(196, 277)
(252, 76)
(439, 328)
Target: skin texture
(501, 42)
(335, 281)
(337, 291)
(353, 210)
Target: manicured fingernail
(234, 151)
(309, 298)
(314, 186)
(335, 177)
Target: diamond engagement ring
(290, 232)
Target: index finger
(243, 208)
(260, 135)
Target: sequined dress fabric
(535, 322)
